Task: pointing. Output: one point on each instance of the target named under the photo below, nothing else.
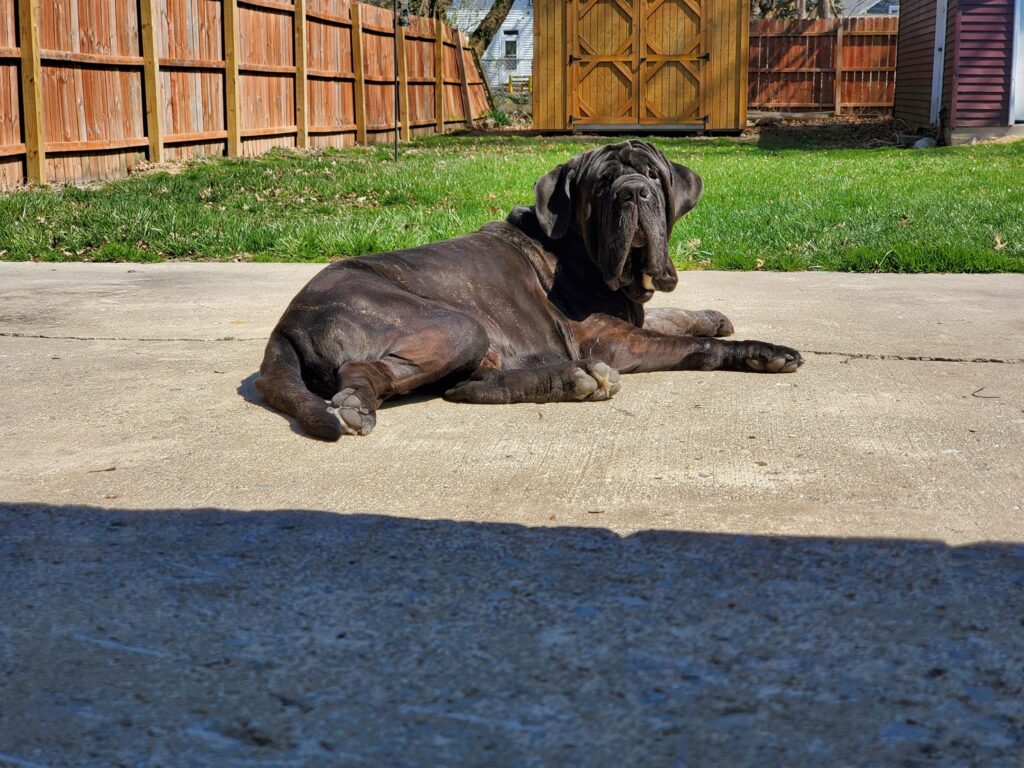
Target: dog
(546, 306)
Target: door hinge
(704, 56)
(571, 119)
(573, 58)
(704, 119)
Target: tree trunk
(488, 28)
(428, 8)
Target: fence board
(12, 160)
(123, 79)
(793, 63)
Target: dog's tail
(280, 382)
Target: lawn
(956, 209)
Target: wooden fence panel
(91, 88)
(419, 48)
(478, 101)
(379, 73)
(331, 79)
(12, 146)
(93, 93)
(809, 64)
(190, 42)
(266, 63)
(453, 112)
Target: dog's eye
(653, 174)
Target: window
(511, 45)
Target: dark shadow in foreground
(214, 637)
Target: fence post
(231, 78)
(357, 70)
(439, 74)
(838, 68)
(403, 87)
(301, 93)
(151, 77)
(467, 109)
(32, 92)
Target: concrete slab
(819, 568)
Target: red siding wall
(915, 51)
(982, 32)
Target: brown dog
(545, 306)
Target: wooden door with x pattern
(636, 62)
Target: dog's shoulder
(520, 230)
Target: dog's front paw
(771, 358)
(595, 380)
(712, 323)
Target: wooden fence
(820, 64)
(89, 88)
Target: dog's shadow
(248, 392)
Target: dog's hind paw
(596, 381)
(356, 417)
(322, 423)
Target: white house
(871, 7)
(510, 53)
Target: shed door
(670, 62)
(635, 62)
(603, 53)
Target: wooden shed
(672, 65)
(959, 69)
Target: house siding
(915, 52)
(495, 66)
(984, 55)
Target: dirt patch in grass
(845, 131)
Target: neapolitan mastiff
(545, 306)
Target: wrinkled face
(622, 200)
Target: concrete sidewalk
(149, 370)
(715, 568)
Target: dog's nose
(634, 191)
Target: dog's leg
(280, 382)
(632, 349)
(682, 322)
(452, 346)
(571, 381)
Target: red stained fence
(90, 88)
(823, 64)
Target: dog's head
(622, 199)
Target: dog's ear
(554, 204)
(684, 192)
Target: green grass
(957, 209)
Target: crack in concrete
(916, 358)
(848, 355)
(16, 335)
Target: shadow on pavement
(218, 637)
